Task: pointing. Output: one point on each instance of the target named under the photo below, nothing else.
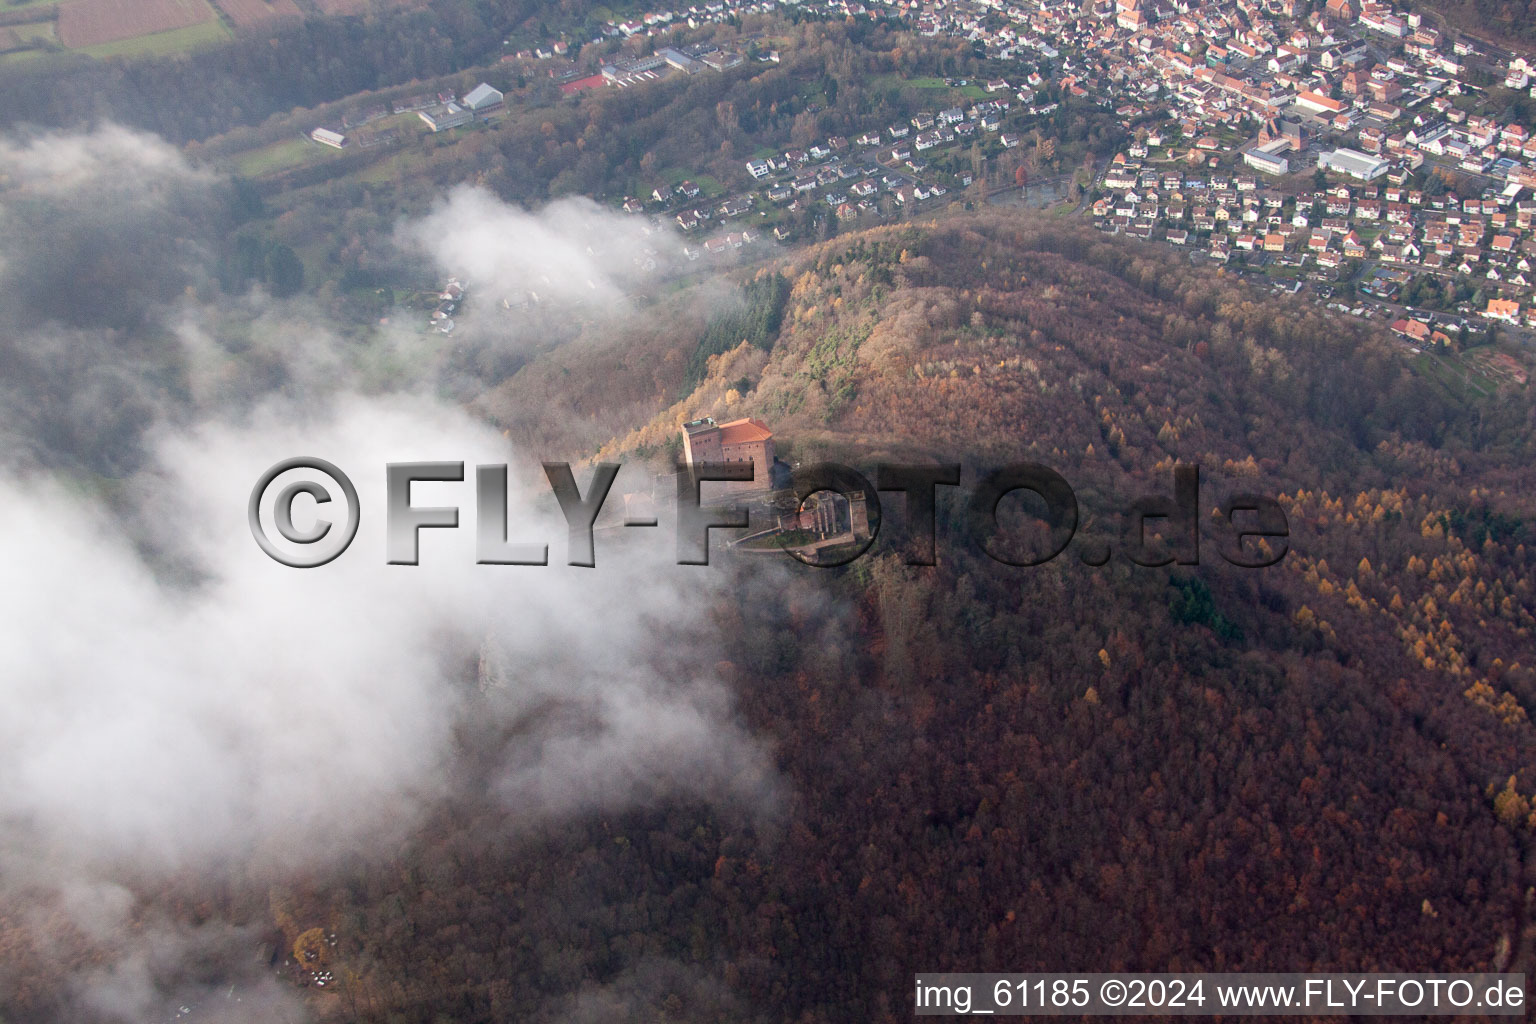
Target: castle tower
(743, 440)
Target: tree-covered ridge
(755, 323)
(1503, 22)
(1324, 765)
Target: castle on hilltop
(744, 440)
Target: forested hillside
(1320, 765)
(1507, 23)
(1325, 764)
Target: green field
(160, 44)
(972, 91)
(280, 156)
(31, 40)
(21, 56)
(34, 31)
(708, 186)
(21, 5)
(384, 170)
(194, 37)
(1457, 376)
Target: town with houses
(1323, 143)
(1354, 150)
(881, 172)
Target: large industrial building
(483, 98)
(1353, 163)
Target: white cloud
(277, 718)
(572, 251)
(120, 158)
(294, 712)
(179, 706)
